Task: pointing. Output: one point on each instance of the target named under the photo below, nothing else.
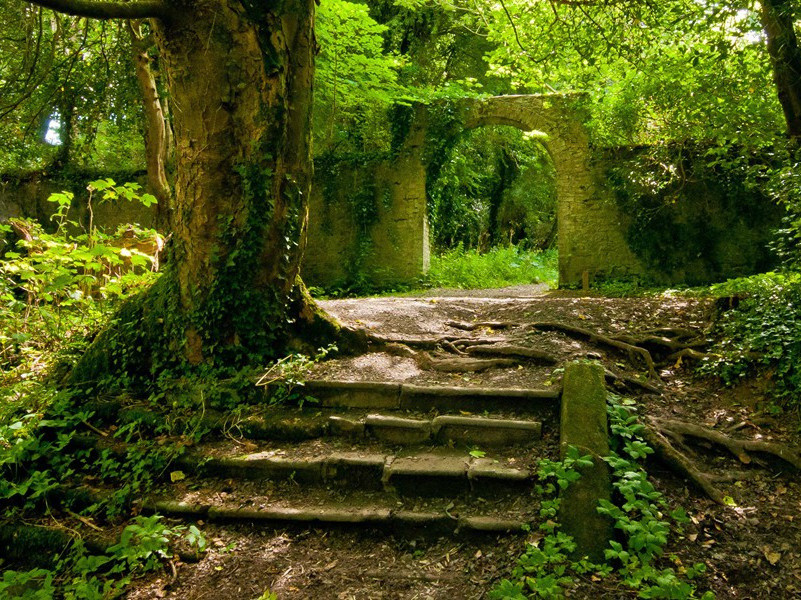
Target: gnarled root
(667, 436)
(739, 448)
(457, 364)
(597, 338)
(464, 326)
(509, 350)
(678, 461)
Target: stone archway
(590, 227)
(590, 236)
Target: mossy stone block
(584, 425)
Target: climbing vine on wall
(696, 211)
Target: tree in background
(65, 97)
(356, 81)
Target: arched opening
(494, 189)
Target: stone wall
(704, 236)
(26, 197)
(392, 246)
(591, 229)
(710, 224)
(590, 226)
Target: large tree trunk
(240, 79)
(785, 55)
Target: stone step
(423, 473)
(384, 511)
(421, 398)
(443, 429)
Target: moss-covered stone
(584, 426)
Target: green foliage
(143, 547)
(356, 80)
(499, 267)
(488, 186)
(63, 99)
(669, 70)
(697, 212)
(762, 330)
(285, 378)
(639, 512)
(57, 287)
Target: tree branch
(141, 9)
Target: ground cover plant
(639, 512)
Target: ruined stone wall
(26, 197)
(395, 247)
(591, 229)
(391, 246)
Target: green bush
(762, 330)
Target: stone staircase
(386, 455)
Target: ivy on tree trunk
(239, 75)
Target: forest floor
(752, 547)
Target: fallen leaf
(177, 476)
(773, 557)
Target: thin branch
(142, 9)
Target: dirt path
(752, 550)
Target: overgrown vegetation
(56, 288)
(642, 519)
(760, 330)
(502, 266)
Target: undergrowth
(56, 288)
(760, 328)
(642, 519)
(500, 267)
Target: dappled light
(400, 299)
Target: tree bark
(240, 80)
(778, 22)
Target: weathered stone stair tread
(356, 510)
(418, 472)
(442, 429)
(393, 395)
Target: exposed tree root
(677, 460)
(674, 332)
(689, 353)
(463, 325)
(597, 338)
(667, 436)
(464, 365)
(428, 343)
(739, 448)
(496, 350)
(458, 364)
(657, 341)
(630, 382)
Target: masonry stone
(396, 245)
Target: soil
(752, 549)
